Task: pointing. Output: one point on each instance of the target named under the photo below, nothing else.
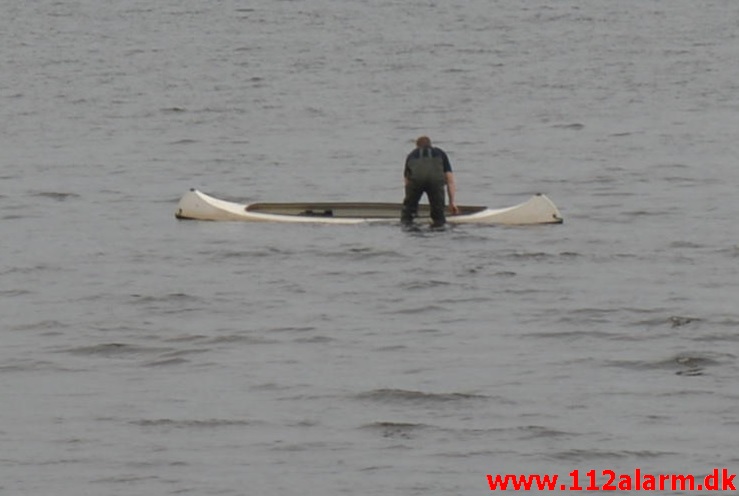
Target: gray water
(144, 355)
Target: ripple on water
(685, 363)
(115, 350)
(396, 430)
(59, 196)
(400, 396)
(167, 423)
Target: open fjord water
(142, 355)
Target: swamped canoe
(196, 205)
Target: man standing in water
(427, 170)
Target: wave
(193, 423)
(689, 364)
(55, 195)
(418, 397)
(396, 430)
(114, 349)
(587, 455)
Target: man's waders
(425, 174)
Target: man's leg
(413, 194)
(435, 194)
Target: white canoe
(198, 206)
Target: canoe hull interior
(343, 210)
(199, 206)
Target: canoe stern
(194, 205)
(538, 209)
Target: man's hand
(451, 190)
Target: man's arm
(451, 189)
